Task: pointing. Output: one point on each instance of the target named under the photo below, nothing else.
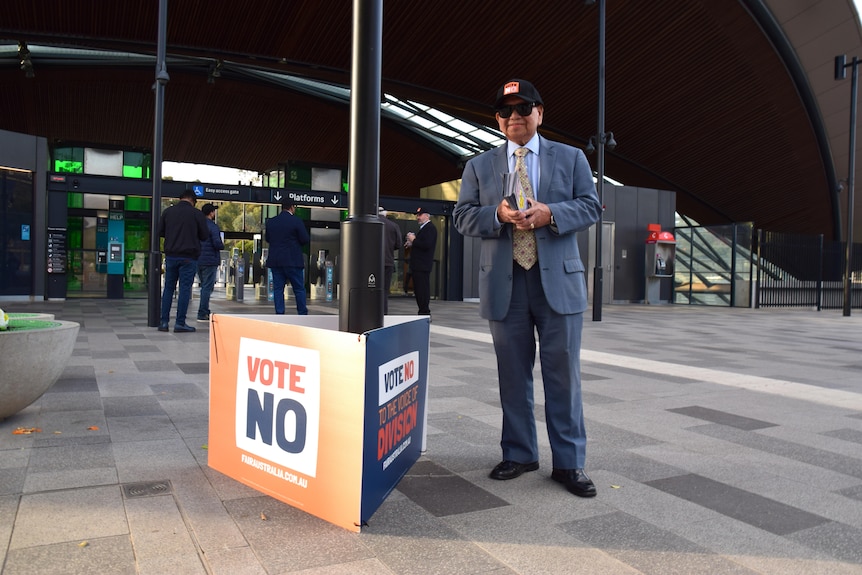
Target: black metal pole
(154, 276)
(851, 168)
(598, 280)
(360, 304)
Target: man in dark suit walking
(422, 244)
(183, 228)
(531, 280)
(286, 235)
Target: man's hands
(535, 216)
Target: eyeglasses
(523, 109)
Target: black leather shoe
(510, 470)
(576, 481)
(183, 329)
(163, 327)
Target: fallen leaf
(26, 430)
(93, 428)
(615, 486)
(205, 446)
(262, 516)
(83, 544)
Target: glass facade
(86, 237)
(16, 221)
(75, 160)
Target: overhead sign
(310, 198)
(220, 192)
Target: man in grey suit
(531, 280)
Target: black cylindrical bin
(361, 276)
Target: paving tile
(88, 513)
(147, 366)
(649, 550)
(109, 353)
(137, 427)
(12, 480)
(440, 492)
(103, 555)
(56, 400)
(722, 417)
(142, 349)
(818, 457)
(742, 505)
(409, 541)
(161, 540)
(292, 540)
(853, 435)
(71, 457)
(132, 406)
(854, 492)
(194, 368)
(841, 541)
(177, 391)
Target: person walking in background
(209, 261)
(184, 228)
(422, 245)
(532, 280)
(391, 242)
(286, 235)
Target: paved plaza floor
(720, 440)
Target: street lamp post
(841, 73)
(600, 141)
(155, 263)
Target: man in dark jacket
(209, 261)
(423, 244)
(183, 228)
(391, 242)
(286, 234)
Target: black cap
(207, 209)
(521, 88)
(422, 211)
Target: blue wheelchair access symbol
(198, 190)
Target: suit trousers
(422, 291)
(559, 348)
(281, 275)
(388, 271)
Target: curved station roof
(732, 104)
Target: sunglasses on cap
(523, 109)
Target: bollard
(240, 278)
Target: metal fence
(794, 270)
(736, 265)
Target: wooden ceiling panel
(697, 97)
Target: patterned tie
(524, 241)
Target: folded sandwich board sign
(323, 420)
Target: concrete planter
(16, 316)
(33, 354)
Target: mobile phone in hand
(513, 201)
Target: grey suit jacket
(566, 185)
